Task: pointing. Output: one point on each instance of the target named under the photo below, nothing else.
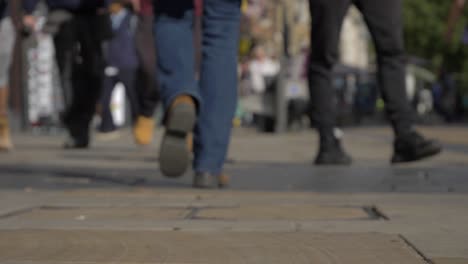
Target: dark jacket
(120, 50)
(3, 8)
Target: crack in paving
(375, 213)
(416, 249)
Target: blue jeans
(216, 91)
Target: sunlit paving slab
(79, 247)
(103, 214)
(279, 216)
(283, 212)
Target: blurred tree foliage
(425, 25)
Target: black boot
(76, 143)
(413, 147)
(331, 152)
(79, 137)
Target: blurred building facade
(265, 20)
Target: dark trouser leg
(65, 43)
(174, 48)
(176, 76)
(107, 121)
(146, 84)
(384, 19)
(87, 79)
(218, 84)
(327, 18)
(127, 77)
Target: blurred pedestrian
(456, 12)
(446, 94)
(146, 84)
(82, 26)
(261, 68)
(7, 40)
(8, 29)
(384, 19)
(121, 61)
(207, 107)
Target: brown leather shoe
(143, 130)
(174, 157)
(203, 180)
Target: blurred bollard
(281, 107)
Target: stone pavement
(110, 204)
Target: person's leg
(5, 139)
(327, 19)
(86, 82)
(127, 78)
(218, 88)
(176, 75)
(65, 43)
(384, 20)
(107, 121)
(146, 83)
(174, 48)
(7, 36)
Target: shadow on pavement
(258, 176)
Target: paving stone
(93, 247)
(282, 212)
(102, 214)
(450, 261)
(115, 186)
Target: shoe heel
(182, 119)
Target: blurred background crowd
(274, 53)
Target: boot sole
(425, 154)
(174, 156)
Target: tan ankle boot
(143, 130)
(5, 140)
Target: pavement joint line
(193, 213)
(195, 210)
(416, 249)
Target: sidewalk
(110, 205)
